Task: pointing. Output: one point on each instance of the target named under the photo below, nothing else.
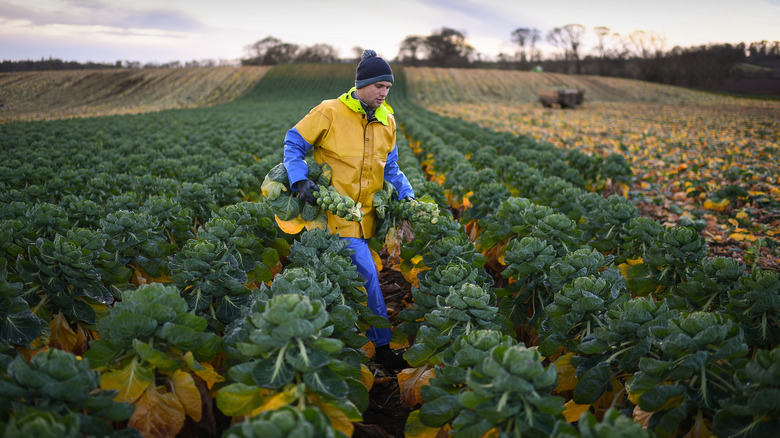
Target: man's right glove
(304, 188)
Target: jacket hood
(381, 113)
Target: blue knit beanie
(372, 69)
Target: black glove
(304, 188)
(408, 198)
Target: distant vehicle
(566, 98)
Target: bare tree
(318, 53)
(647, 45)
(521, 37)
(448, 48)
(649, 49)
(269, 51)
(555, 38)
(534, 54)
(357, 52)
(601, 47)
(610, 48)
(568, 38)
(526, 37)
(410, 48)
(573, 37)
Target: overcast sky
(182, 30)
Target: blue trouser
(376, 301)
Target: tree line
(58, 64)
(639, 55)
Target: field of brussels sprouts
(698, 159)
(148, 287)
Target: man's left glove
(304, 188)
(408, 198)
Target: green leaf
(20, 328)
(127, 326)
(654, 367)
(129, 382)
(592, 384)
(269, 373)
(229, 308)
(439, 412)
(155, 357)
(657, 396)
(21, 372)
(102, 352)
(326, 381)
(418, 353)
(238, 399)
(640, 280)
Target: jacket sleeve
(295, 148)
(397, 178)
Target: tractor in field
(566, 98)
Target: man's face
(374, 94)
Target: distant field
(83, 93)
(689, 149)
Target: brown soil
(386, 416)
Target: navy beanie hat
(372, 69)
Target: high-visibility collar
(354, 104)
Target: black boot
(390, 360)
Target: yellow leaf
(319, 223)
(572, 411)
(641, 416)
(567, 380)
(239, 399)
(717, 206)
(63, 336)
(293, 226)
(624, 188)
(466, 201)
(187, 393)
(157, 414)
(203, 370)
(131, 381)
(742, 237)
(369, 348)
(276, 400)
(391, 239)
(366, 376)
(396, 344)
(623, 268)
(377, 260)
(742, 215)
(410, 269)
(634, 398)
(733, 222)
(410, 381)
(416, 429)
(338, 419)
(609, 398)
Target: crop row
(143, 244)
(632, 314)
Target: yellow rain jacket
(357, 151)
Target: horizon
(106, 31)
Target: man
(356, 135)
